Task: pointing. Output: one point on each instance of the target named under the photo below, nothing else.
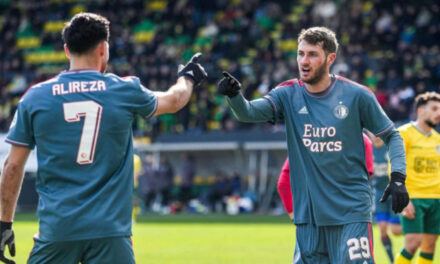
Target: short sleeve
(373, 117)
(275, 98)
(21, 131)
(144, 101)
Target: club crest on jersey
(437, 148)
(340, 111)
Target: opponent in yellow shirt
(423, 161)
(421, 218)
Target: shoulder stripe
(287, 83)
(39, 83)
(352, 82)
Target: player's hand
(193, 70)
(396, 188)
(291, 216)
(228, 85)
(409, 211)
(7, 239)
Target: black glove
(7, 239)
(396, 188)
(193, 70)
(228, 85)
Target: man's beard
(430, 124)
(320, 73)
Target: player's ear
(331, 58)
(420, 110)
(66, 50)
(102, 48)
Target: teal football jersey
(81, 123)
(329, 181)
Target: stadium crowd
(390, 46)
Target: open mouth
(305, 70)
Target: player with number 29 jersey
(324, 116)
(85, 152)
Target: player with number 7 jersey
(81, 124)
(84, 151)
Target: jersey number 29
(355, 244)
(91, 111)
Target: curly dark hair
(318, 35)
(424, 98)
(84, 32)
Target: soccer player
(285, 191)
(81, 123)
(421, 218)
(383, 215)
(324, 116)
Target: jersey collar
(420, 130)
(326, 91)
(80, 71)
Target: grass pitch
(210, 239)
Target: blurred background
(201, 159)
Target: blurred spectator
(148, 183)
(187, 180)
(325, 9)
(235, 183)
(165, 177)
(217, 192)
(18, 84)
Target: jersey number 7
(91, 111)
